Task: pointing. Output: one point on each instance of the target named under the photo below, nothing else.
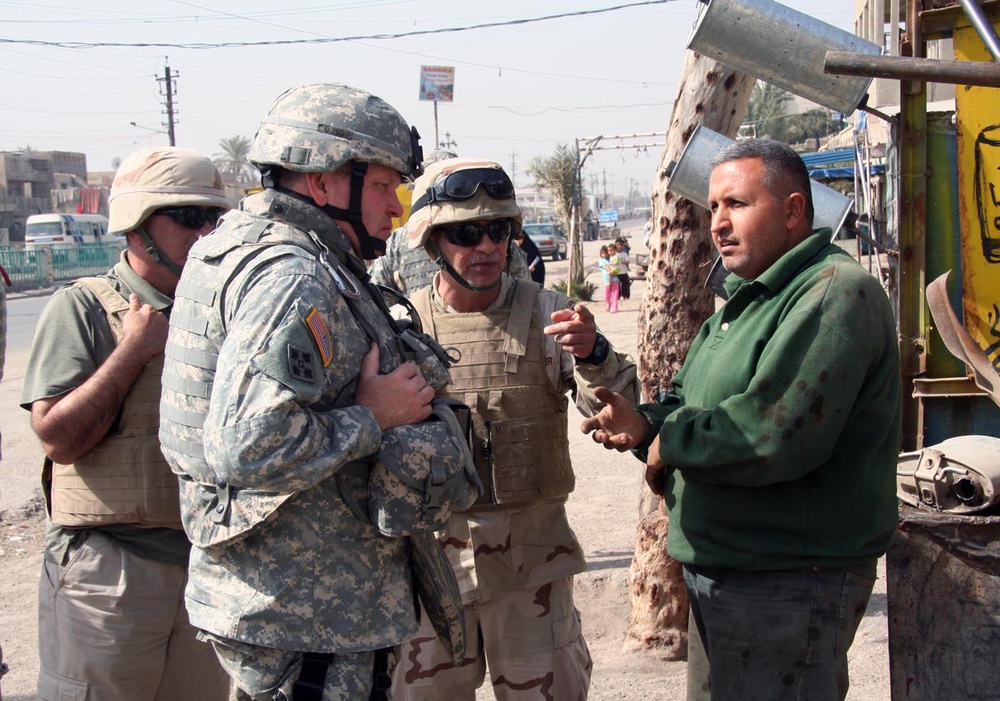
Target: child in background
(609, 269)
(621, 245)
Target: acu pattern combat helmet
(319, 128)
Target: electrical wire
(329, 40)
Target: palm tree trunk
(674, 306)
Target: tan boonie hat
(162, 176)
(478, 207)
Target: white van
(65, 230)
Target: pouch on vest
(422, 472)
(960, 475)
(427, 354)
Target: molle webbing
(124, 479)
(521, 442)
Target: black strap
(309, 687)
(381, 680)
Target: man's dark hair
(784, 171)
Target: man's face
(479, 265)
(379, 203)
(173, 238)
(750, 226)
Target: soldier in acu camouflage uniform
(285, 380)
(407, 270)
(522, 349)
(111, 618)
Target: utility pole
(448, 142)
(513, 168)
(168, 92)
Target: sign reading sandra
(437, 83)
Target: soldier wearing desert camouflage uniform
(284, 380)
(522, 349)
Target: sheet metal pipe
(978, 73)
(983, 27)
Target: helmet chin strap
(371, 247)
(438, 258)
(158, 256)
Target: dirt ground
(603, 510)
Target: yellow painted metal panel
(978, 111)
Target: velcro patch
(300, 364)
(321, 334)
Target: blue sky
(519, 89)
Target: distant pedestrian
(536, 266)
(647, 232)
(609, 269)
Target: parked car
(549, 238)
(640, 261)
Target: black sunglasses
(463, 184)
(193, 217)
(469, 233)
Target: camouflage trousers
(531, 640)
(267, 674)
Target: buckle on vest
(220, 512)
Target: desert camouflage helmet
(162, 176)
(318, 128)
(478, 207)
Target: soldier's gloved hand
(400, 398)
(618, 425)
(145, 328)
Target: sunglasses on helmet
(470, 233)
(463, 184)
(192, 216)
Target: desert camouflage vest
(124, 479)
(521, 447)
(214, 513)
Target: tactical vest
(416, 269)
(214, 512)
(124, 479)
(521, 447)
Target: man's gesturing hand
(618, 425)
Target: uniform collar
(135, 283)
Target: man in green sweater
(776, 449)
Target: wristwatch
(600, 352)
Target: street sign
(437, 83)
(608, 216)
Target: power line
(330, 40)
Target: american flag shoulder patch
(320, 334)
